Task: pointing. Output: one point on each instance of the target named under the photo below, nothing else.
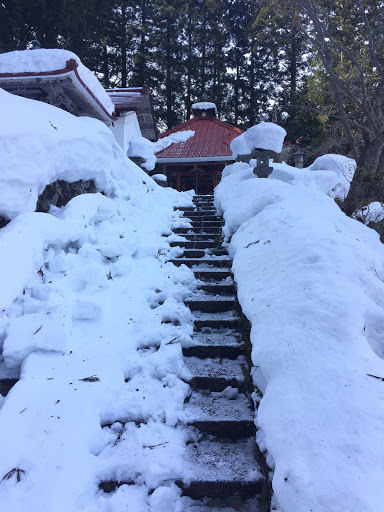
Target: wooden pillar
(178, 186)
(214, 178)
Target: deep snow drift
(91, 320)
(311, 282)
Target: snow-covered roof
(32, 73)
(139, 100)
(211, 141)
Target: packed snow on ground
(311, 282)
(140, 146)
(92, 320)
(373, 212)
(44, 60)
(268, 136)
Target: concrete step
(223, 343)
(184, 208)
(219, 289)
(213, 262)
(212, 351)
(214, 305)
(201, 213)
(213, 275)
(197, 230)
(217, 415)
(226, 320)
(201, 253)
(203, 237)
(222, 469)
(216, 374)
(6, 385)
(190, 244)
(206, 223)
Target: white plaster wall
(124, 128)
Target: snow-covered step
(222, 469)
(231, 504)
(216, 374)
(225, 320)
(202, 214)
(203, 237)
(201, 253)
(224, 415)
(210, 274)
(198, 230)
(223, 343)
(206, 223)
(184, 208)
(190, 244)
(211, 305)
(218, 289)
(214, 262)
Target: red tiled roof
(130, 98)
(212, 139)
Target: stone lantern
(298, 158)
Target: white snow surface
(92, 320)
(311, 282)
(140, 146)
(343, 166)
(268, 136)
(203, 105)
(43, 143)
(43, 60)
(373, 212)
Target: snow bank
(268, 136)
(140, 146)
(42, 144)
(373, 212)
(311, 282)
(343, 166)
(42, 60)
(92, 319)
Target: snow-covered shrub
(344, 168)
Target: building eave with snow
(56, 77)
(197, 163)
(134, 112)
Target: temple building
(197, 163)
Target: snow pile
(142, 147)
(92, 319)
(311, 282)
(44, 60)
(343, 166)
(374, 212)
(42, 144)
(268, 136)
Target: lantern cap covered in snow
(204, 109)
(267, 136)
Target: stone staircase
(228, 476)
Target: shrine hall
(197, 163)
